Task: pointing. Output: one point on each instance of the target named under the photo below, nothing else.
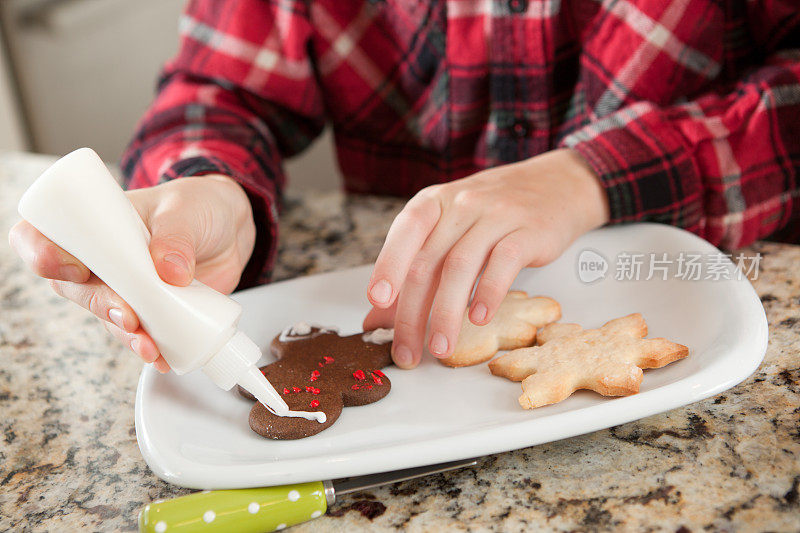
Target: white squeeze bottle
(77, 204)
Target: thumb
(172, 247)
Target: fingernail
(403, 356)
(177, 259)
(381, 291)
(438, 344)
(136, 344)
(71, 273)
(478, 313)
(115, 316)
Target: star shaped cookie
(608, 360)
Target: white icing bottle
(77, 204)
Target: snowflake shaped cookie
(608, 360)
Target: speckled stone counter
(69, 459)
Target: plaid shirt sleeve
(239, 95)
(723, 165)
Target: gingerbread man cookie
(318, 370)
(608, 360)
(514, 325)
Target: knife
(267, 508)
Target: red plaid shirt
(688, 111)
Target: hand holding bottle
(201, 227)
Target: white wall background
(86, 70)
(12, 136)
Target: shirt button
(521, 128)
(518, 6)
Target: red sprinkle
(320, 364)
(359, 375)
(376, 379)
(328, 360)
(381, 374)
(309, 389)
(314, 375)
(296, 389)
(369, 387)
(315, 391)
(286, 390)
(314, 404)
(355, 387)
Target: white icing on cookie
(378, 336)
(303, 330)
(319, 416)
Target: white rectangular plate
(195, 435)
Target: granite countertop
(69, 459)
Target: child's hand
(201, 227)
(503, 219)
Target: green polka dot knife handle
(243, 510)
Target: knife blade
(268, 508)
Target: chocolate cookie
(318, 370)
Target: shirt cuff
(645, 166)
